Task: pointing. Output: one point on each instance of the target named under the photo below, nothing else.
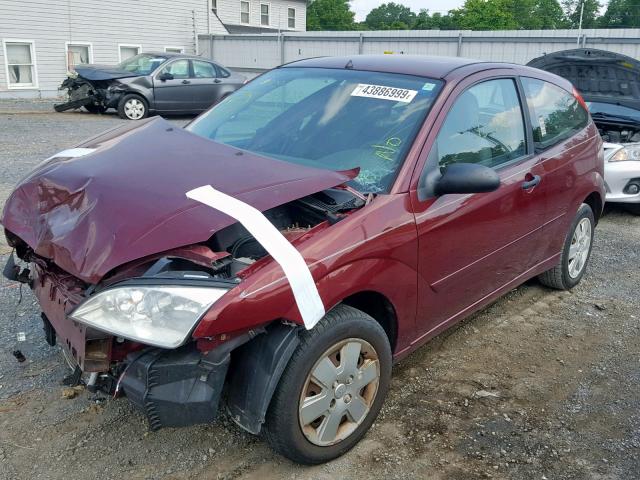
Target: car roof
(421, 65)
(177, 55)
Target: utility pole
(580, 23)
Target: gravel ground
(541, 384)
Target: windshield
(142, 64)
(326, 118)
(612, 109)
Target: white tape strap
(294, 266)
(72, 153)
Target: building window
(264, 14)
(128, 51)
(244, 12)
(291, 16)
(174, 49)
(78, 54)
(21, 67)
(214, 6)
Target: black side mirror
(467, 178)
(164, 76)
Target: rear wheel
(575, 253)
(332, 389)
(132, 107)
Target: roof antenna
(349, 65)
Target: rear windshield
(326, 118)
(142, 64)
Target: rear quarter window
(555, 113)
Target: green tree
(538, 14)
(621, 13)
(330, 15)
(549, 14)
(589, 17)
(437, 21)
(390, 16)
(487, 15)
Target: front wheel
(132, 107)
(332, 389)
(575, 253)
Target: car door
(172, 87)
(207, 86)
(473, 245)
(565, 148)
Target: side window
(485, 126)
(203, 69)
(555, 113)
(179, 69)
(222, 73)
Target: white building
(43, 40)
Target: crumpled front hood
(102, 72)
(126, 199)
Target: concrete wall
(254, 53)
(152, 24)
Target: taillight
(580, 100)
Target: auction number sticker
(384, 93)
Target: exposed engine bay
(612, 133)
(95, 95)
(235, 248)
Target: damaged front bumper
(84, 93)
(177, 388)
(172, 387)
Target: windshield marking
(382, 92)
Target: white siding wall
(153, 24)
(229, 13)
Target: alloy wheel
(579, 248)
(134, 109)
(339, 392)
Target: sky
(362, 7)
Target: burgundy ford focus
(295, 240)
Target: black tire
(633, 208)
(125, 113)
(93, 108)
(559, 277)
(282, 428)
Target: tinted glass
(222, 73)
(555, 113)
(179, 69)
(485, 126)
(326, 118)
(142, 64)
(203, 69)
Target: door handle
(217, 80)
(186, 82)
(535, 180)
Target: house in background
(41, 42)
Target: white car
(610, 85)
(622, 174)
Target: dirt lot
(542, 384)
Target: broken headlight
(162, 316)
(629, 152)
